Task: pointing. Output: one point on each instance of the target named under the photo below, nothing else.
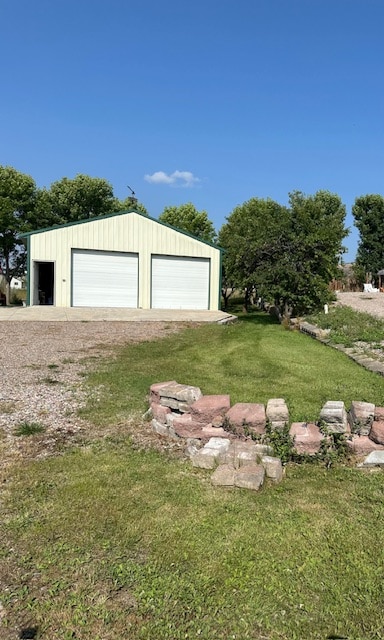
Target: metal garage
(180, 283)
(104, 279)
(125, 259)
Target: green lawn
(108, 542)
(253, 360)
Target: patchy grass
(348, 326)
(252, 360)
(111, 543)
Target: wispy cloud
(177, 178)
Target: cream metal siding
(128, 233)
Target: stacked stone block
(238, 464)
(182, 411)
(277, 413)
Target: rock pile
(216, 433)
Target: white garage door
(180, 283)
(104, 279)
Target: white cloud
(177, 178)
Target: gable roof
(112, 215)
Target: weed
(26, 428)
(53, 366)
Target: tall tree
(289, 254)
(129, 203)
(81, 197)
(368, 212)
(187, 218)
(17, 202)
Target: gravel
(43, 366)
(372, 303)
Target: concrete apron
(93, 314)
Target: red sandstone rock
(209, 431)
(362, 445)
(307, 437)
(207, 408)
(247, 414)
(379, 413)
(185, 427)
(377, 431)
(159, 412)
(154, 390)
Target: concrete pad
(92, 314)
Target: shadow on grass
(257, 317)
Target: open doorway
(43, 290)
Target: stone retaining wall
(217, 433)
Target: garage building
(126, 259)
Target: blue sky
(212, 102)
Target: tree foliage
(288, 254)
(128, 204)
(187, 218)
(368, 212)
(72, 199)
(17, 202)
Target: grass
(108, 542)
(252, 360)
(162, 554)
(26, 428)
(349, 326)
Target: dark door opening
(45, 282)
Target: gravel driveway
(372, 303)
(42, 367)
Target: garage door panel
(180, 283)
(104, 279)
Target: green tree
(17, 202)
(78, 198)
(368, 212)
(187, 218)
(128, 204)
(288, 254)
